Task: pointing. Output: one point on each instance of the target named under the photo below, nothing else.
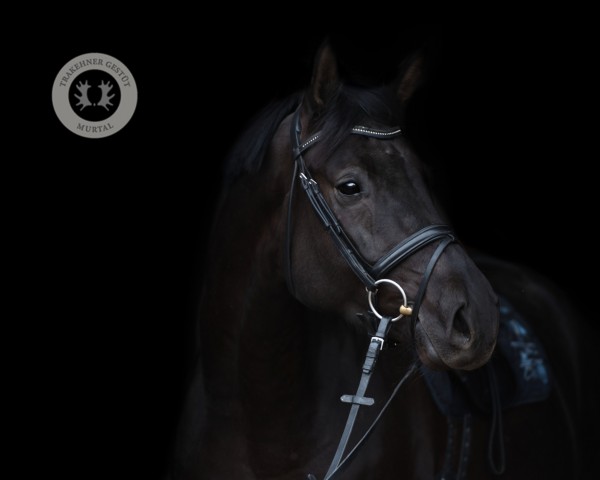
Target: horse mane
(351, 105)
(247, 154)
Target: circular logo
(94, 95)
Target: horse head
(372, 189)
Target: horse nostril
(460, 325)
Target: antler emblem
(84, 101)
(106, 98)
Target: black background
(110, 232)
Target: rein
(370, 275)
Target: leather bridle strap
(358, 399)
(322, 209)
(410, 245)
(427, 275)
(352, 453)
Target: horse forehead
(382, 155)
(376, 148)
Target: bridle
(370, 275)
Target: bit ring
(391, 282)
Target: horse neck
(244, 288)
(251, 328)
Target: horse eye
(349, 188)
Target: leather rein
(370, 275)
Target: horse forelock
(375, 107)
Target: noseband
(369, 275)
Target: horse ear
(325, 77)
(410, 76)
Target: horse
(344, 329)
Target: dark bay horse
(344, 330)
